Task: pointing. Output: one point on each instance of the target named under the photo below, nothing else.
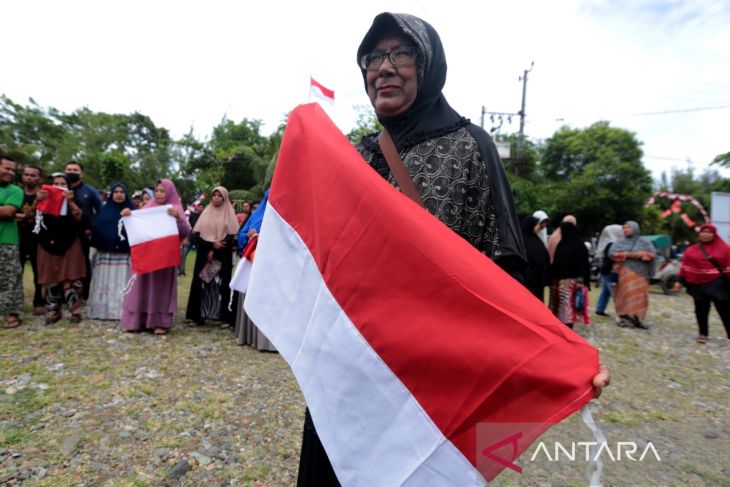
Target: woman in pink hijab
(152, 301)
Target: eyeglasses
(398, 57)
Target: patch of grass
(24, 403)
(210, 407)
(11, 436)
(636, 417)
(712, 477)
(171, 443)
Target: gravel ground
(89, 405)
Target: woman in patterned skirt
(571, 271)
(634, 258)
(213, 236)
(111, 262)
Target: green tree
(367, 123)
(525, 167)
(722, 160)
(100, 141)
(597, 175)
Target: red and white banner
(402, 336)
(317, 90)
(153, 239)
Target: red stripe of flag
(156, 254)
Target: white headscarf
(609, 234)
(541, 216)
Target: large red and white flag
(153, 239)
(317, 90)
(403, 337)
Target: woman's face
(392, 90)
(216, 198)
(707, 235)
(628, 231)
(246, 208)
(60, 182)
(146, 196)
(118, 195)
(160, 195)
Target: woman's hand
(677, 287)
(210, 256)
(620, 256)
(218, 245)
(601, 380)
(42, 195)
(126, 212)
(174, 213)
(69, 195)
(251, 233)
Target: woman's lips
(387, 89)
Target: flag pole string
(595, 465)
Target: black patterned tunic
(451, 178)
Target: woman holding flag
(61, 262)
(152, 300)
(449, 166)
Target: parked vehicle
(667, 266)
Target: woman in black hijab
(571, 271)
(454, 165)
(538, 259)
(452, 162)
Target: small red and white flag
(153, 239)
(317, 90)
(403, 337)
(56, 203)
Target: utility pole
(521, 138)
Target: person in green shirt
(11, 285)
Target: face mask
(72, 177)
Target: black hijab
(104, 230)
(538, 259)
(571, 255)
(430, 114)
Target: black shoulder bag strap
(398, 168)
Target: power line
(642, 114)
(679, 110)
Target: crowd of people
(80, 257)
(628, 261)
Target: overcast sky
(189, 63)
